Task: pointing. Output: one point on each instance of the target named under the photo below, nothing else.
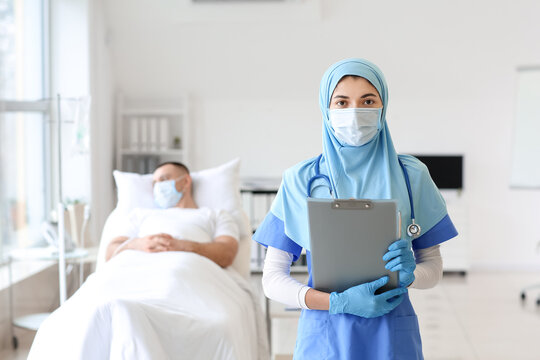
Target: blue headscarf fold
(370, 171)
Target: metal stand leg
(61, 254)
(15, 342)
(81, 272)
(268, 324)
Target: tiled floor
(479, 317)
(25, 341)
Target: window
(21, 180)
(526, 149)
(22, 49)
(23, 125)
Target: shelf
(31, 322)
(22, 270)
(152, 112)
(177, 152)
(145, 127)
(46, 254)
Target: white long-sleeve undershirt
(277, 282)
(429, 269)
(280, 286)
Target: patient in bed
(166, 291)
(179, 224)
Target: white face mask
(165, 193)
(355, 126)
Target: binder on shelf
(163, 133)
(257, 256)
(129, 166)
(151, 163)
(143, 123)
(142, 165)
(153, 132)
(133, 133)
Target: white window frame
(42, 106)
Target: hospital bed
(169, 305)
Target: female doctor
(358, 161)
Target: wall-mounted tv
(445, 170)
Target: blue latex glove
(401, 258)
(361, 300)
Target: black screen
(446, 171)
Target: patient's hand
(182, 245)
(221, 251)
(152, 243)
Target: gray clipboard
(348, 239)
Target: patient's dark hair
(177, 164)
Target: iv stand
(60, 210)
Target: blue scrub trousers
(394, 336)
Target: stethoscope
(413, 229)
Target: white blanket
(169, 305)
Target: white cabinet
(151, 131)
(455, 252)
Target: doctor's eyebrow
(346, 97)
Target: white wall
(69, 52)
(450, 66)
(102, 125)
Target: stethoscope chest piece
(414, 229)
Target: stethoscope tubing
(413, 229)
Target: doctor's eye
(341, 103)
(369, 102)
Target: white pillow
(133, 190)
(219, 187)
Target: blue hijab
(370, 171)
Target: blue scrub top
(321, 335)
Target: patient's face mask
(355, 126)
(165, 193)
